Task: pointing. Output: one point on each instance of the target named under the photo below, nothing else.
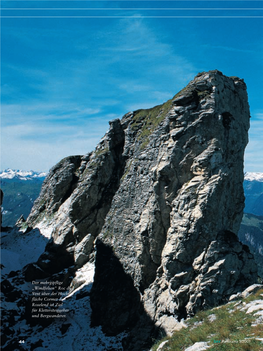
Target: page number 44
(21, 341)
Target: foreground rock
(161, 199)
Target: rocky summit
(157, 205)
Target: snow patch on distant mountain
(254, 176)
(21, 175)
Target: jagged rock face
(77, 194)
(164, 191)
(1, 201)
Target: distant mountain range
(254, 176)
(251, 234)
(253, 187)
(251, 229)
(22, 175)
(20, 188)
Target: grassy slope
(224, 328)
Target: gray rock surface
(162, 196)
(83, 249)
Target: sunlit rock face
(162, 199)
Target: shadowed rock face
(1, 201)
(164, 191)
(117, 305)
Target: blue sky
(66, 73)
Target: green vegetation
(146, 121)
(95, 160)
(101, 150)
(187, 89)
(24, 226)
(127, 170)
(107, 234)
(45, 215)
(223, 328)
(203, 94)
